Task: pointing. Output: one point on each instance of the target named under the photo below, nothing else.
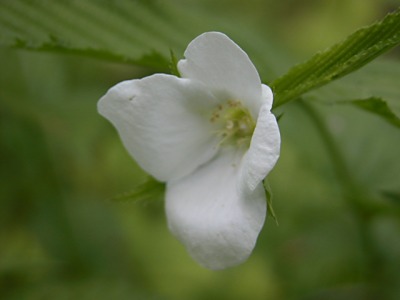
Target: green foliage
(376, 85)
(138, 32)
(354, 52)
(60, 160)
(173, 65)
(149, 190)
(393, 196)
(135, 32)
(379, 107)
(270, 208)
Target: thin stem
(358, 202)
(339, 164)
(354, 194)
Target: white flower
(211, 137)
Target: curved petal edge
(160, 120)
(216, 221)
(219, 63)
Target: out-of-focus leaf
(377, 84)
(148, 190)
(371, 147)
(354, 52)
(378, 106)
(392, 195)
(137, 32)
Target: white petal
(216, 221)
(267, 96)
(218, 62)
(264, 150)
(162, 121)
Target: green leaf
(173, 65)
(268, 193)
(393, 196)
(149, 190)
(379, 107)
(139, 32)
(354, 52)
(136, 32)
(377, 84)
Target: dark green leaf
(125, 31)
(378, 106)
(173, 65)
(391, 195)
(268, 193)
(377, 86)
(140, 32)
(354, 52)
(148, 190)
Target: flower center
(235, 122)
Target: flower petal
(264, 150)
(216, 221)
(224, 67)
(163, 123)
(267, 96)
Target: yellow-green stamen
(235, 122)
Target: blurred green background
(61, 237)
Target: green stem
(339, 164)
(358, 202)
